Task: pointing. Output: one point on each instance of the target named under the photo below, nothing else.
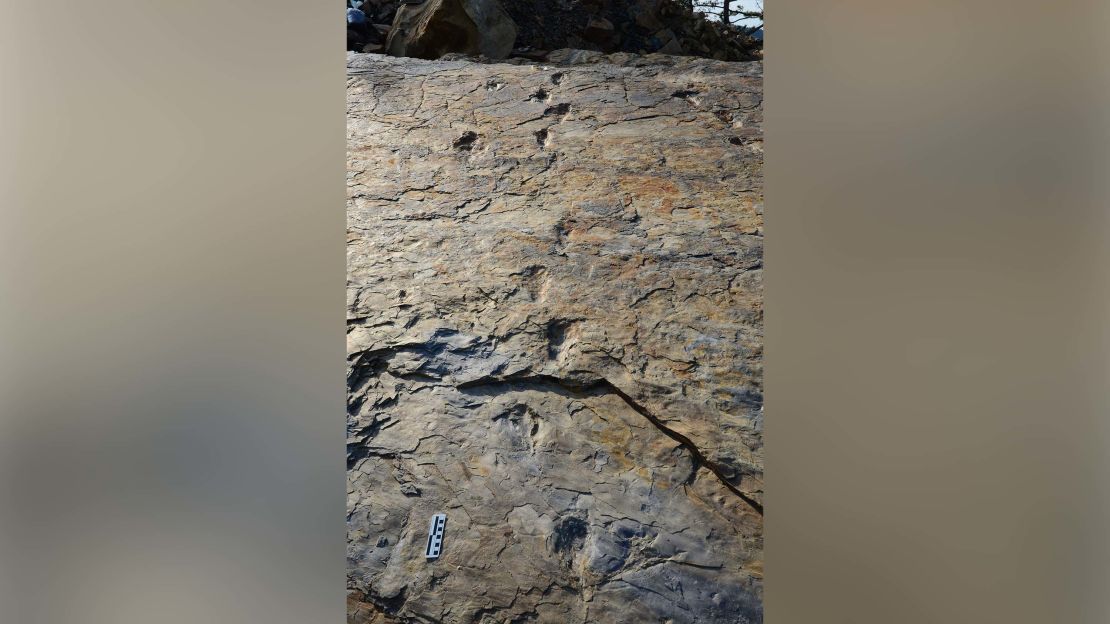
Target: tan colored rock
(555, 338)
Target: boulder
(646, 14)
(672, 47)
(598, 30)
(497, 30)
(601, 32)
(433, 28)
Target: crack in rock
(605, 386)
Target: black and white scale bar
(435, 536)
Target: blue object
(355, 16)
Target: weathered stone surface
(555, 338)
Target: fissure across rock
(605, 386)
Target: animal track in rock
(559, 109)
(466, 141)
(558, 331)
(601, 385)
(542, 138)
(690, 95)
(522, 427)
(569, 534)
(534, 279)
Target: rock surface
(555, 338)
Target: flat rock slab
(555, 338)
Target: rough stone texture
(555, 337)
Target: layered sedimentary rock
(555, 338)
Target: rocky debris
(555, 338)
(638, 26)
(532, 28)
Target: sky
(747, 5)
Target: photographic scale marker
(435, 536)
